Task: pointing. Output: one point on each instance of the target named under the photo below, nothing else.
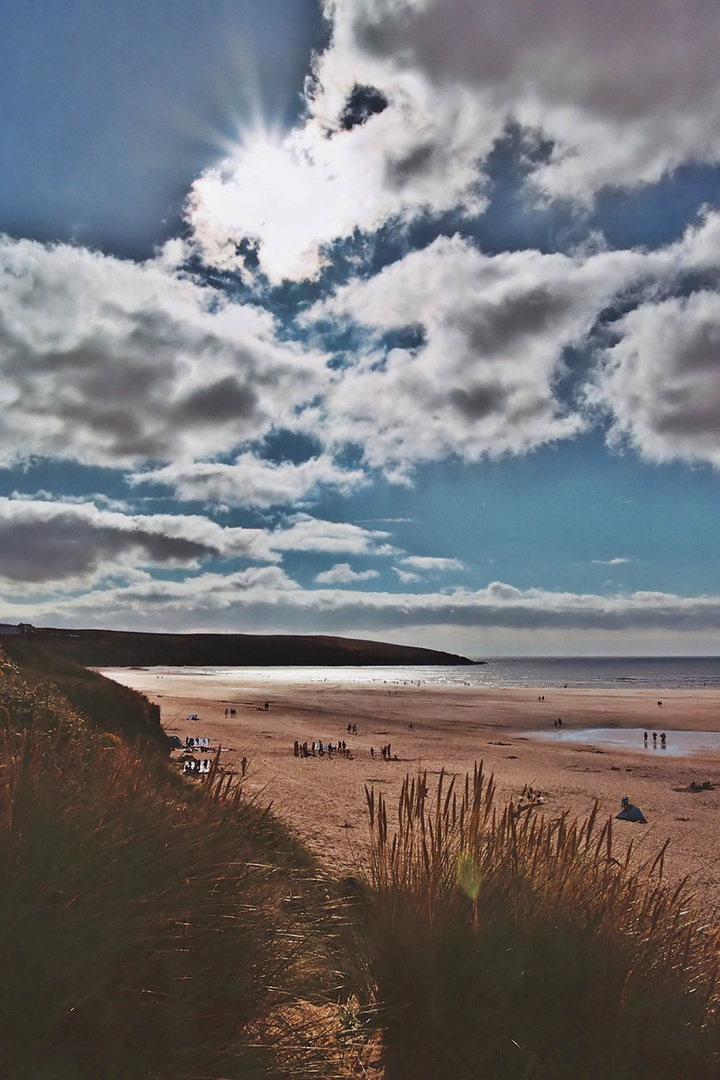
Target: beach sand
(323, 799)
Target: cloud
(406, 576)
(311, 534)
(622, 92)
(611, 562)
(293, 196)
(432, 563)
(265, 598)
(342, 574)
(114, 363)
(494, 329)
(252, 481)
(68, 543)
(661, 381)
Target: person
(372, 751)
(645, 738)
(244, 765)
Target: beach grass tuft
(507, 944)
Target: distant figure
(410, 727)
(654, 738)
(556, 723)
(244, 765)
(372, 751)
(659, 703)
(662, 740)
(226, 712)
(645, 738)
(267, 706)
(560, 723)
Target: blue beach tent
(631, 813)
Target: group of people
(231, 712)
(384, 752)
(663, 739)
(319, 748)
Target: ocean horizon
(610, 673)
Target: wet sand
(323, 799)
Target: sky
(396, 319)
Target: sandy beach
(323, 798)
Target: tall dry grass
(511, 945)
(150, 928)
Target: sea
(600, 673)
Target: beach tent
(175, 742)
(631, 813)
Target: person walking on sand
(645, 738)
(244, 765)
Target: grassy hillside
(106, 704)
(154, 929)
(114, 648)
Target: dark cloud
(477, 402)
(225, 400)
(420, 160)
(66, 547)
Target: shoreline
(454, 727)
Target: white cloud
(343, 574)
(432, 563)
(311, 534)
(405, 576)
(625, 91)
(265, 598)
(483, 382)
(620, 561)
(318, 184)
(661, 380)
(252, 481)
(109, 362)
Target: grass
(151, 928)
(507, 945)
(158, 929)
